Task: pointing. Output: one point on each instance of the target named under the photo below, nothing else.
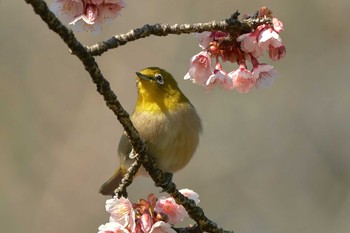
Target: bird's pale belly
(175, 136)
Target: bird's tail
(112, 183)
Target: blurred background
(274, 160)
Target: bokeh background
(274, 160)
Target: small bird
(167, 122)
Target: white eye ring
(159, 78)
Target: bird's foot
(133, 154)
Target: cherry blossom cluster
(87, 15)
(154, 215)
(206, 69)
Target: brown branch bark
(231, 24)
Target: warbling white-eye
(167, 122)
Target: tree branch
(232, 25)
(127, 179)
(191, 229)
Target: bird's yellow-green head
(158, 91)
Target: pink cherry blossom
(277, 53)
(268, 37)
(153, 215)
(121, 211)
(176, 213)
(249, 42)
(87, 15)
(264, 75)
(240, 49)
(242, 78)
(112, 227)
(219, 78)
(200, 68)
(162, 227)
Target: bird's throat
(157, 102)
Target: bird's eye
(159, 78)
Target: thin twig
(127, 179)
(231, 24)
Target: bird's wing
(124, 150)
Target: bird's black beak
(142, 76)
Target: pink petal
(200, 68)
(91, 13)
(121, 211)
(218, 78)
(176, 213)
(249, 42)
(277, 25)
(87, 15)
(162, 227)
(190, 194)
(276, 53)
(265, 75)
(112, 227)
(146, 223)
(67, 10)
(110, 10)
(204, 39)
(243, 80)
(269, 37)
